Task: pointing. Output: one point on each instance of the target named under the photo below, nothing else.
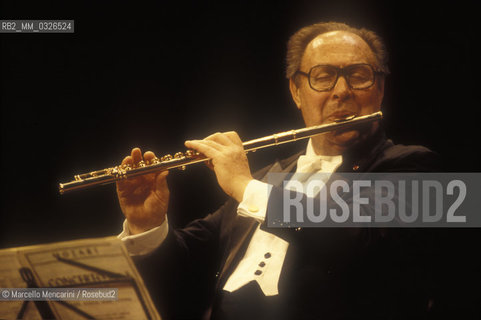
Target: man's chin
(344, 138)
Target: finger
(220, 138)
(121, 184)
(203, 147)
(127, 161)
(212, 135)
(124, 185)
(149, 156)
(161, 180)
(136, 155)
(234, 137)
(206, 147)
(160, 188)
(209, 164)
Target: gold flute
(181, 160)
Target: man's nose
(341, 90)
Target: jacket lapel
(243, 228)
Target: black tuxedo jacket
(328, 273)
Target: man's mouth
(341, 115)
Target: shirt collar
(312, 162)
(311, 153)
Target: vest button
(258, 272)
(267, 255)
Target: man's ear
(295, 92)
(380, 86)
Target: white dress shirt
(265, 254)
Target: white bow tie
(314, 169)
(315, 163)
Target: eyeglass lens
(357, 76)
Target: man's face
(340, 49)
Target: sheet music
(10, 278)
(90, 263)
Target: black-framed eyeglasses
(324, 77)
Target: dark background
(154, 75)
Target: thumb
(209, 164)
(161, 181)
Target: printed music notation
(94, 278)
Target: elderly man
(245, 269)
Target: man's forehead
(336, 37)
(337, 45)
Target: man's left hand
(229, 161)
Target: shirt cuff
(254, 201)
(145, 242)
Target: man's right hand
(143, 199)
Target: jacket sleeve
(181, 273)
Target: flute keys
(178, 155)
(155, 160)
(191, 153)
(140, 164)
(118, 172)
(167, 157)
(126, 167)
